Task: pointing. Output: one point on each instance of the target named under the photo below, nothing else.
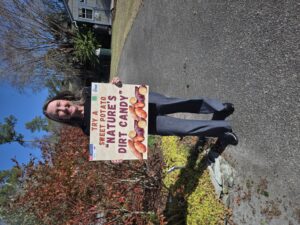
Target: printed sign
(119, 122)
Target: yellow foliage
(203, 207)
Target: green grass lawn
(125, 13)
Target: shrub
(66, 188)
(85, 45)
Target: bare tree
(36, 43)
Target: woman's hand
(116, 81)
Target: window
(82, 1)
(85, 13)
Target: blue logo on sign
(91, 148)
(94, 88)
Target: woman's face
(62, 109)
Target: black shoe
(229, 138)
(212, 156)
(227, 111)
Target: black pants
(160, 124)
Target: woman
(69, 109)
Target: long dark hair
(70, 96)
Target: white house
(97, 12)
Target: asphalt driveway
(244, 52)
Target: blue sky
(24, 107)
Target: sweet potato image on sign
(142, 90)
(132, 134)
(132, 113)
(140, 147)
(142, 124)
(133, 100)
(138, 139)
(139, 105)
(141, 113)
(134, 150)
(139, 131)
(140, 97)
